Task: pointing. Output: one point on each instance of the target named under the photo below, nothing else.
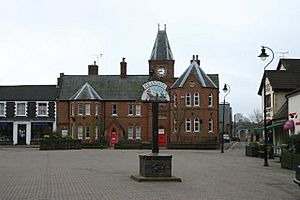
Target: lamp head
(225, 89)
(263, 56)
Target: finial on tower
(158, 26)
(165, 27)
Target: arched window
(210, 100)
(188, 125)
(196, 99)
(211, 125)
(174, 126)
(188, 99)
(175, 100)
(196, 125)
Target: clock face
(161, 71)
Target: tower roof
(161, 49)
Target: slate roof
(28, 93)
(282, 79)
(161, 49)
(202, 77)
(108, 87)
(288, 63)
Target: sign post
(156, 166)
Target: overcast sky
(41, 38)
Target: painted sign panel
(155, 91)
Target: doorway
(22, 134)
(113, 137)
(162, 137)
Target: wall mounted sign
(155, 91)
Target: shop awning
(269, 127)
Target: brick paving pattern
(27, 173)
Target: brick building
(97, 106)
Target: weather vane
(282, 53)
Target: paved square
(27, 173)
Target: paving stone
(27, 173)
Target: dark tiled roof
(214, 78)
(161, 49)
(108, 87)
(28, 93)
(202, 77)
(293, 93)
(288, 63)
(283, 79)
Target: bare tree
(256, 116)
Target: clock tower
(161, 62)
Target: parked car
(297, 178)
(226, 138)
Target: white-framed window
(80, 108)
(2, 109)
(96, 132)
(188, 99)
(210, 100)
(175, 100)
(210, 125)
(96, 109)
(80, 132)
(42, 108)
(188, 127)
(87, 109)
(174, 126)
(130, 109)
(72, 109)
(138, 132)
(87, 133)
(196, 99)
(114, 109)
(196, 125)
(130, 132)
(21, 108)
(138, 110)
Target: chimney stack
(123, 66)
(59, 79)
(93, 69)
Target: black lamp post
(263, 56)
(226, 91)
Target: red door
(162, 137)
(113, 137)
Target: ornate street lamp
(263, 56)
(226, 92)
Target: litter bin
(297, 178)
